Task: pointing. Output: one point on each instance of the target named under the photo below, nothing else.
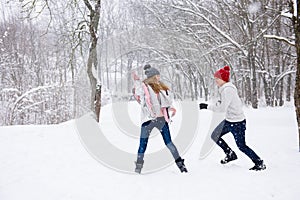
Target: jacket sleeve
(138, 90)
(224, 102)
(138, 87)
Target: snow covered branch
(283, 39)
(215, 27)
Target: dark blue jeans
(163, 127)
(238, 131)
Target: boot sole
(225, 162)
(259, 169)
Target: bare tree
(296, 23)
(93, 7)
(94, 17)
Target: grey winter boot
(180, 164)
(138, 166)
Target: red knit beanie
(223, 73)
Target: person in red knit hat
(223, 74)
(234, 121)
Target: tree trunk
(92, 57)
(129, 79)
(98, 102)
(196, 88)
(288, 91)
(254, 100)
(296, 22)
(281, 102)
(267, 90)
(276, 87)
(248, 93)
(179, 86)
(297, 90)
(191, 84)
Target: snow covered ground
(51, 163)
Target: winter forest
(58, 57)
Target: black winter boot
(180, 163)
(229, 157)
(259, 165)
(138, 166)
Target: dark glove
(203, 106)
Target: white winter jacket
(229, 102)
(154, 111)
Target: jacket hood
(227, 85)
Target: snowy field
(51, 163)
